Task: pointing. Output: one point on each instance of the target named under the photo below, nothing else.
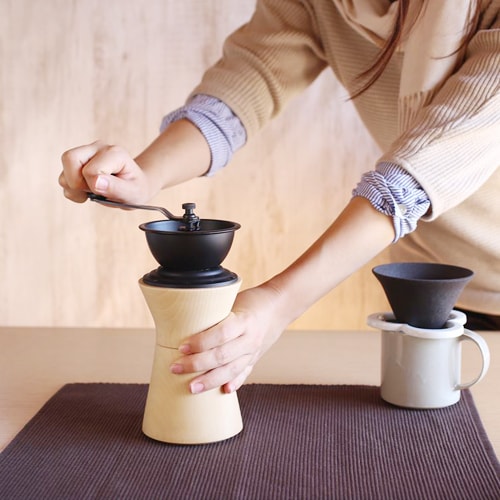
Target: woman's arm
(227, 352)
(275, 56)
(178, 154)
(451, 146)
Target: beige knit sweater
(435, 111)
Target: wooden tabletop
(36, 362)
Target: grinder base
(172, 414)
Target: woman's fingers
(224, 355)
(238, 381)
(108, 162)
(228, 329)
(234, 372)
(74, 161)
(102, 169)
(220, 355)
(76, 195)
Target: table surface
(36, 362)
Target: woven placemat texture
(298, 442)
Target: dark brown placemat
(299, 442)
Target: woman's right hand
(105, 170)
(178, 154)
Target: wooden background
(75, 71)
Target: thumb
(127, 189)
(114, 174)
(102, 183)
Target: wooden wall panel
(73, 72)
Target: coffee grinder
(187, 294)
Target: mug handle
(485, 353)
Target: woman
(431, 101)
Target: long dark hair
(368, 77)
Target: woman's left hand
(227, 352)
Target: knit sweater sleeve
(266, 62)
(452, 145)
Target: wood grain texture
(172, 414)
(76, 71)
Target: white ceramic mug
(421, 367)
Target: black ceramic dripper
(422, 294)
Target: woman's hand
(103, 169)
(178, 154)
(227, 352)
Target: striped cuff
(394, 192)
(222, 129)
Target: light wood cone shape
(172, 413)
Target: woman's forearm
(357, 235)
(226, 353)
(178, 154)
